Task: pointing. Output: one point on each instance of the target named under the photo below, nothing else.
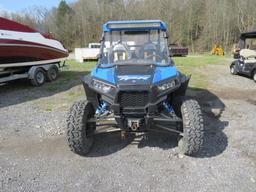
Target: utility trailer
(176, 50)
(37, 72)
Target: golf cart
(245, 56)
(135, 87)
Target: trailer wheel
(193, 128)
(38, 77)
(80, 132)
(52, 73)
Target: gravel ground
(34, 155)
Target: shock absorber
(102, 108)
(167, 106)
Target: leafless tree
(197, 24)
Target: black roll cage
(244, 36)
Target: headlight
(105, 88)
(166, 86)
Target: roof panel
(251, 34)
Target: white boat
(21, 46)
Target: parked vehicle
(136, 87)
(90, 53)
(244, 43)
(26, 53)
(245, 56)
(246, 65)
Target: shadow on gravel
(162, 140)
(108, 143)
(245, 76)
(215, 139)
(20, 91)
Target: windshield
(250, 43)
(135, 47)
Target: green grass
(70, 74)
(74, 66)
(195, 65)
(67, 88)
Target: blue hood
(134, 75)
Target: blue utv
(135, 87)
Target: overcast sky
(19, 5)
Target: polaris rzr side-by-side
(136, 87)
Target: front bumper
(135, 101)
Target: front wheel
(193, 128)
(80, 132)
(233, 70)
(254, 75)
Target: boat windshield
(135, 47)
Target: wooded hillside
(195, 23)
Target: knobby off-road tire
(79, 131)
(193, 128)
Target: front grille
(133, 99)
